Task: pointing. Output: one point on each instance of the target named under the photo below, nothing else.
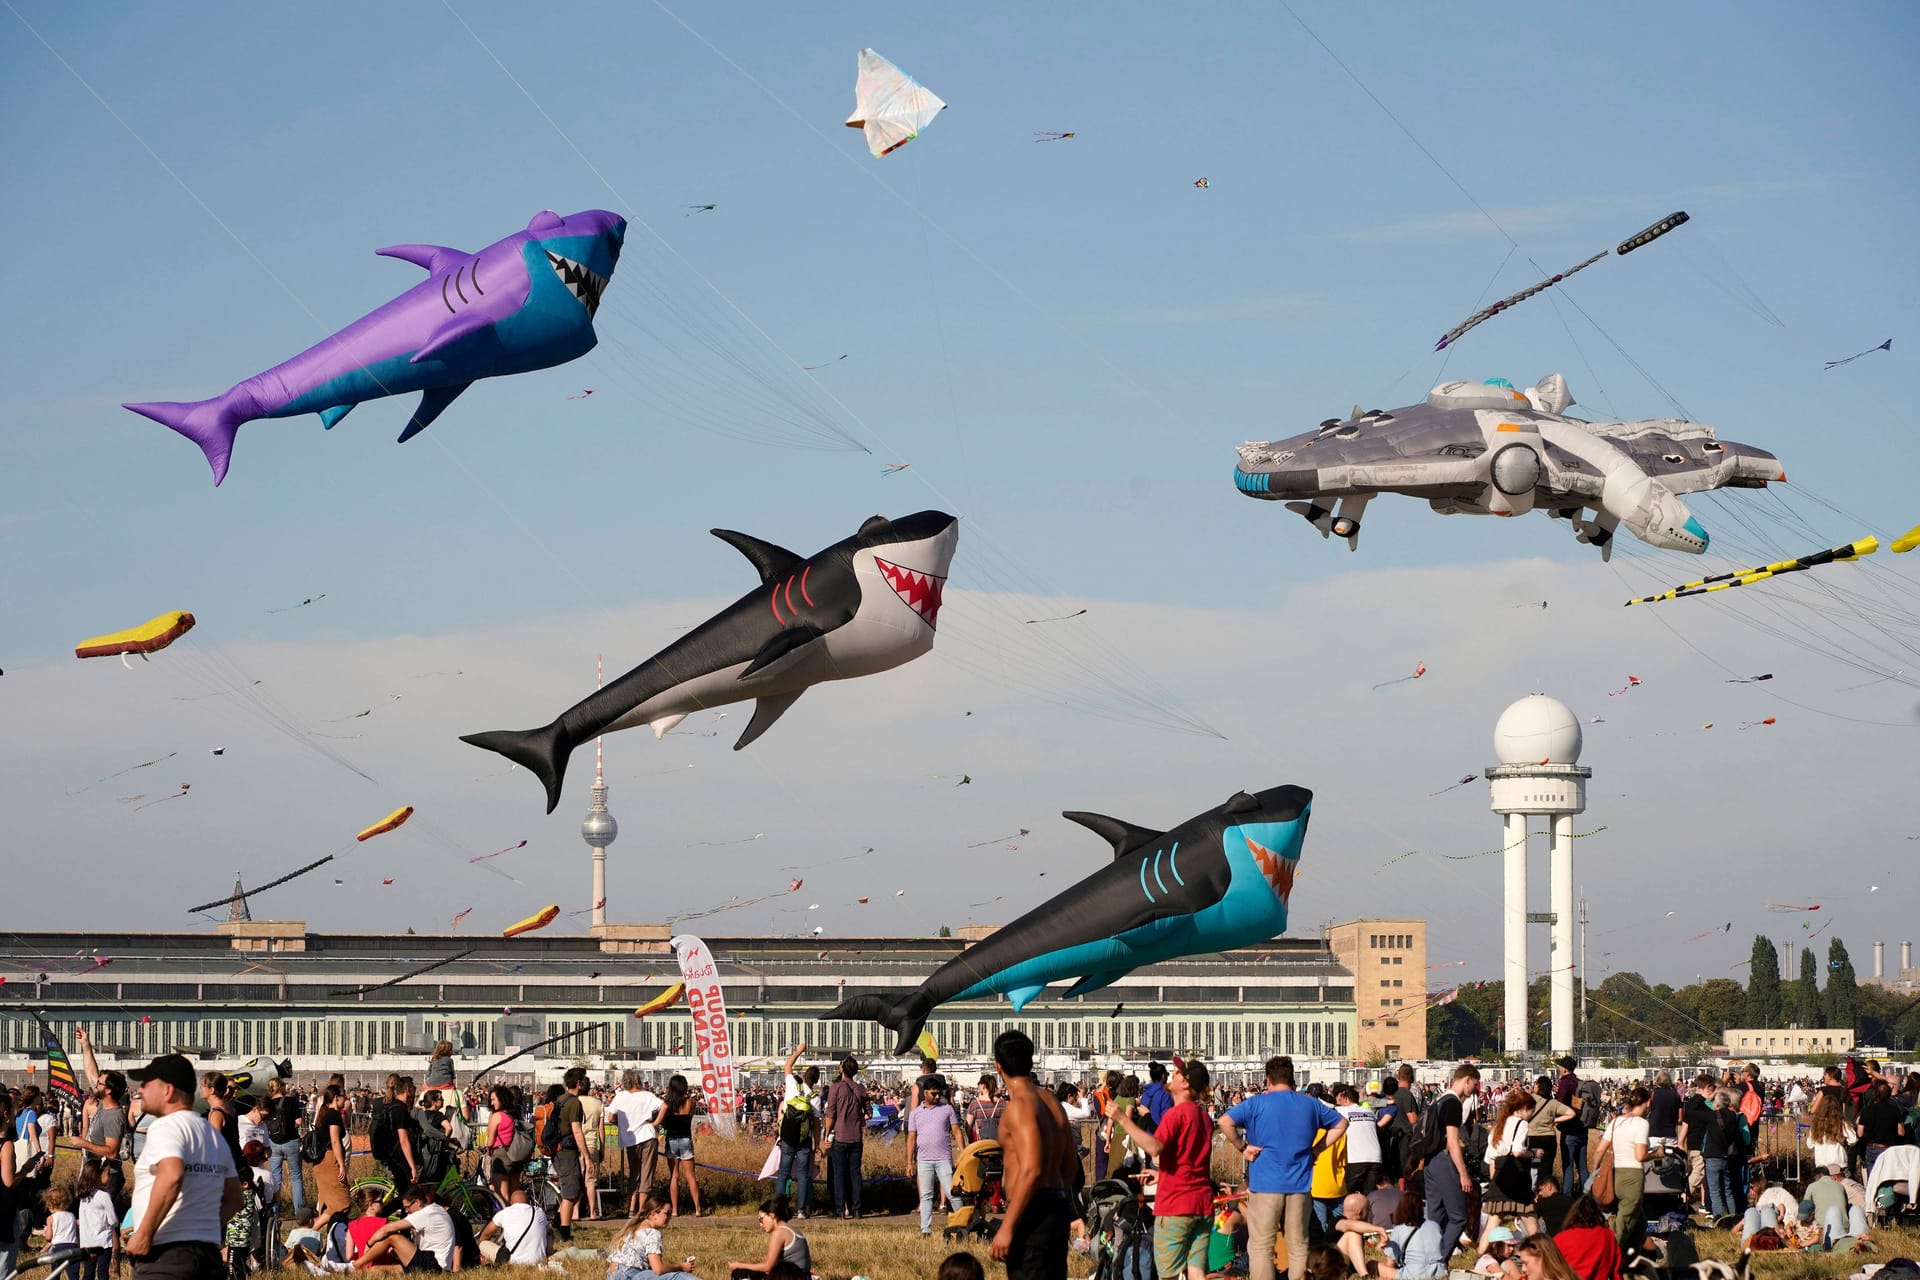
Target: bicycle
(458, 1191)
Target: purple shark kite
(526, 302)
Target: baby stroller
(1120, 1225)
(1893, 1185)
(61, 1261)
(976, 1188)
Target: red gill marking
(803, 585)
(790, 608)
(774, 600)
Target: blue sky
(1065, 340)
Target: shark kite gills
(523, 303)
(1219, 880)
(873, 608)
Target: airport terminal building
(271, 988)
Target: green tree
(1717, 1003)
(1891, 1018)
(1803, 997)
(1763, 985)
(1842, 1004)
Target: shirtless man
(1042, 1164)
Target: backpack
(1588, 1091)
(1421, 1142)
(796, 1121)
(551, 1138)
(520, 1147)
(1473, 1145)
(382, 1138)
(313, 1144)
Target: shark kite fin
(765, 712)
(433, 402)
(874, 525)
(329, 418)
(211, 424)
(1242, 803)
(1094, 982)
(664, 725)
(787, 642)
(1121, 835)
(772, 561)
(907, 1017)
(462, 326)
(431, 257)
(1021, 997)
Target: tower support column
(1560, 980)
(1515, 918)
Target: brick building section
(1388, 960)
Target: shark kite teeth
(586, 284)
(921, 591)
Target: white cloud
(1712, 822)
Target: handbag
(1601, 1186)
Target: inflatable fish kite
(1216, 881)
(149, 637)
(873, 607)
(522, 303)
(538, 920)
(395, 819)
(1487, 449)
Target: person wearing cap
(108, 1130)
(185, 1184)
(1497, 1254)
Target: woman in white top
(1627, 1136)
(1830, 1134)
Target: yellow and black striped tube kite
(1742, 577)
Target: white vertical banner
(711, 1037)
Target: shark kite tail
(211, 424)
(906, 1018)
(539, 751)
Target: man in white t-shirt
(185, 1186)
(635, 1108)
(1363, 1140)
(421, 1241)
(523, 1234)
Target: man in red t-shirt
(1182, 1148)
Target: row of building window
(1390, 941)
(1390, 982)
(753, 1035)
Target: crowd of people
(1554, 1179)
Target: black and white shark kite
(1487, 449)
(873, 607)
(1221, 879)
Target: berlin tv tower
(598, 828)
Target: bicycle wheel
(384, 1183)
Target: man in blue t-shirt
(1155, 1097)
(1277, 1130)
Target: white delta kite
(890, 105)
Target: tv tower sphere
(598, 828)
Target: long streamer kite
(129, 769)
(497, 852)
(1000, 839)
(271, 884)
(1743, 577)
(564, 1035)
(1625, 247)
(184, 788)
(462, 916)
(1418, 671)
(1463, 782)
(303, 604)
(405, 977)
(1885, 346)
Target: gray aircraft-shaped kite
(1487, 449)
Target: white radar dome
(1537, 730)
